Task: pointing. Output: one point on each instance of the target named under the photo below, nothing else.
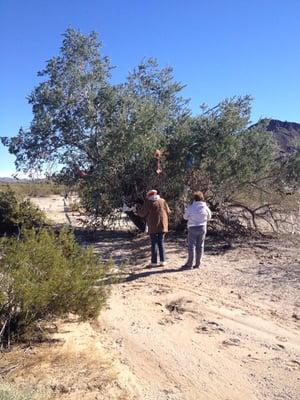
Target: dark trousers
(196, 237)
(157, 241)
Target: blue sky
(218, 48)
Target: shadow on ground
(148, 272)
(131, 248)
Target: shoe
(185, 266)
(153, 265)
(197, 266)
(163, 263)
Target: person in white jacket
(197, 214)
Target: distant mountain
(286, 133)
(6, 179)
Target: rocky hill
(286, 133)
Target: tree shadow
(148, 272)
(280, 274)
(125, 247)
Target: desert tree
(104, 136)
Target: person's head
(198, 196)
(151, 193)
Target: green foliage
(290, 173)
(143, 113)
(45, 275)
(65, 106)
(227, 156)
(227, 152)
(15, 214)
(105, 135)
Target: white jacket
(197, 214)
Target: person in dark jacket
(156, 212)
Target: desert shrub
(44, 275)
(34, 189)
(75, 206)
(9, 391)
(16, 214)
(42, 189)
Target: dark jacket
(156, 214)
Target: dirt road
(228, 331)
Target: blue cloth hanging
(190, 161)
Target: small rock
(232, 342)
(281, 338)
(296, 362)
(62, 388)
(212, 323)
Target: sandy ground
(228, 331)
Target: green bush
(16, 214)
(44, 275)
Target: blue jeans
(157, 240)
(196, 237)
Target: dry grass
(61, 371)
(288, 202)
(9, 391)
(34, 189)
